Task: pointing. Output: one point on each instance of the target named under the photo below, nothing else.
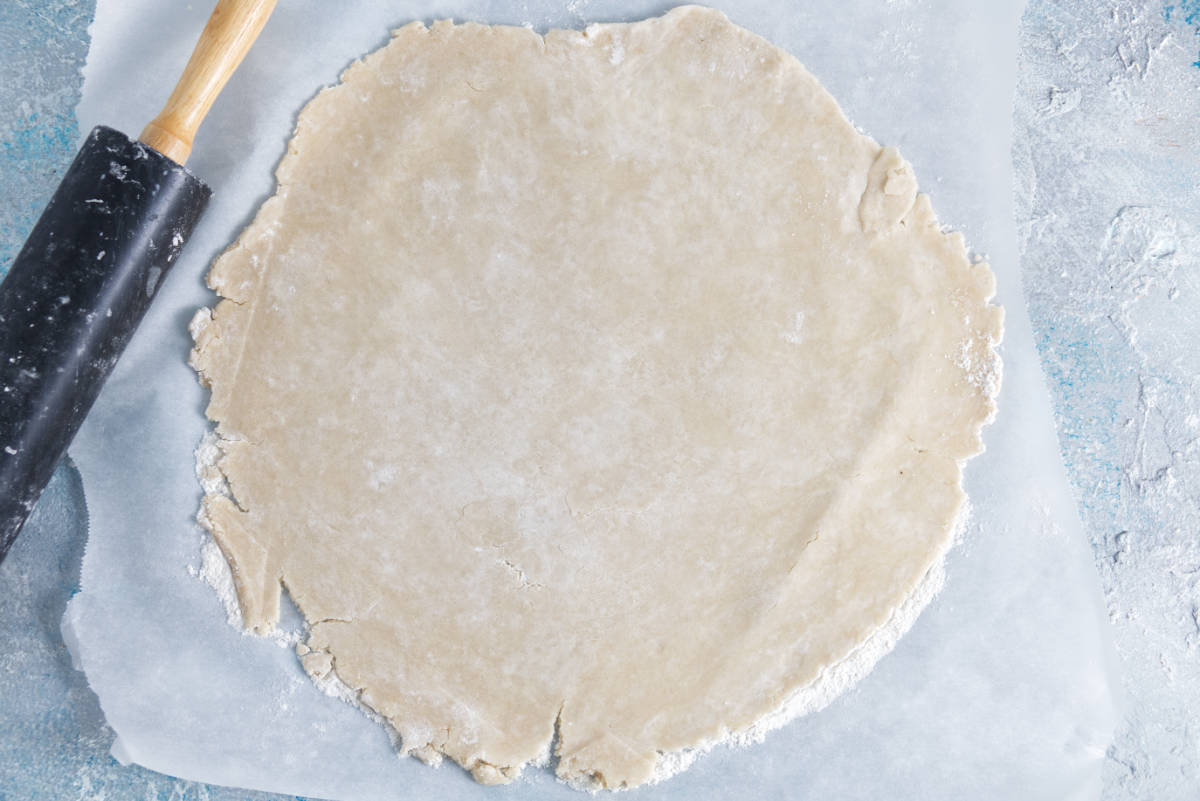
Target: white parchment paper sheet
(1002, 690)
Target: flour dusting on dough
(214, 570)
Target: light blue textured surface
(1107, 163)
(42, 45)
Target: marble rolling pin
(84, 279)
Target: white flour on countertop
(1106, 112)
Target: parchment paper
(1003, 689)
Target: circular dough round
(605, 388)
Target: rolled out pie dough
(604, 389)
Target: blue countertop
(1107, 159)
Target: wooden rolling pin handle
(232, 28)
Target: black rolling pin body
(73, 297)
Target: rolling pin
(91, 266)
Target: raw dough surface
(606, 385)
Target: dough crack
(522, 580)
